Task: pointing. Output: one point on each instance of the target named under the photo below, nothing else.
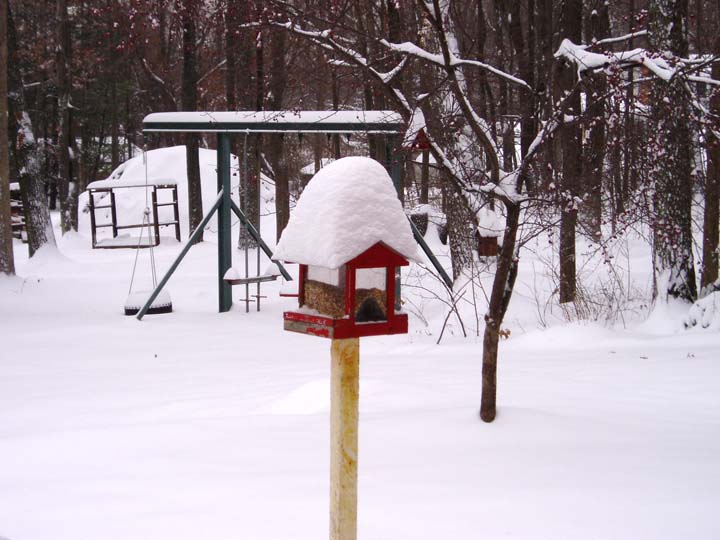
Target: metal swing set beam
(224, 124)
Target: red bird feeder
(355, 300)
(349, 235)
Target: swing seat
(126, 241)
(232, 277)
(136, 300)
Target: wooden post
(344, 377)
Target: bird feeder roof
(347, 207)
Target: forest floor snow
(204, 425)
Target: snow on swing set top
(349, 234)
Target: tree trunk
(253, 182)
(336, 107)
(114, 129)
(507, 261)
(27, 166)
(711, 235)
(571, 144)
(189, 103)
(231, 27)
(276, 151)
(672, 157)
(7, 260)
(599, 28)
(525, 51)
(503, 284)
(460, 233)
(66, 185)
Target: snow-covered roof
(276, 121)
(490, 224)
(346, 208)
(131, 181)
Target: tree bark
(114, 129)
(276, 150)
(571, 144)
(254, 180)
(26, 163)
(671, 155)
(188, 15)
(232, 12)
(503, 285)
(460, 233)
(711, 217)
(7, 260)
(599, 28)
(66, 185)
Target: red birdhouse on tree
(350, 236)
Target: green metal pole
(224, 225)
(180, 257)
(420, 240)
(256, 236)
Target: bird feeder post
(344, 387)
(347, 290)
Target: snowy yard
(200, 425)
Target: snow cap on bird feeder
(349, 234)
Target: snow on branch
(618, 39)
(390, 75)
(325, 39)
(657, 65)
(414, 50)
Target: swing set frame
(387, 123)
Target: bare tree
(26, 165)
(711, 235)
(276, 144)
(460, 139)
(571, 146)
(188, 16)
(594, 155)
(63, 55)
(7, 261)
(670, 112)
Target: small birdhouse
(415, 138)
(349, 235)
(490, 228)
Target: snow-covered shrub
(705, 313)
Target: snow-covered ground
(204, 425)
